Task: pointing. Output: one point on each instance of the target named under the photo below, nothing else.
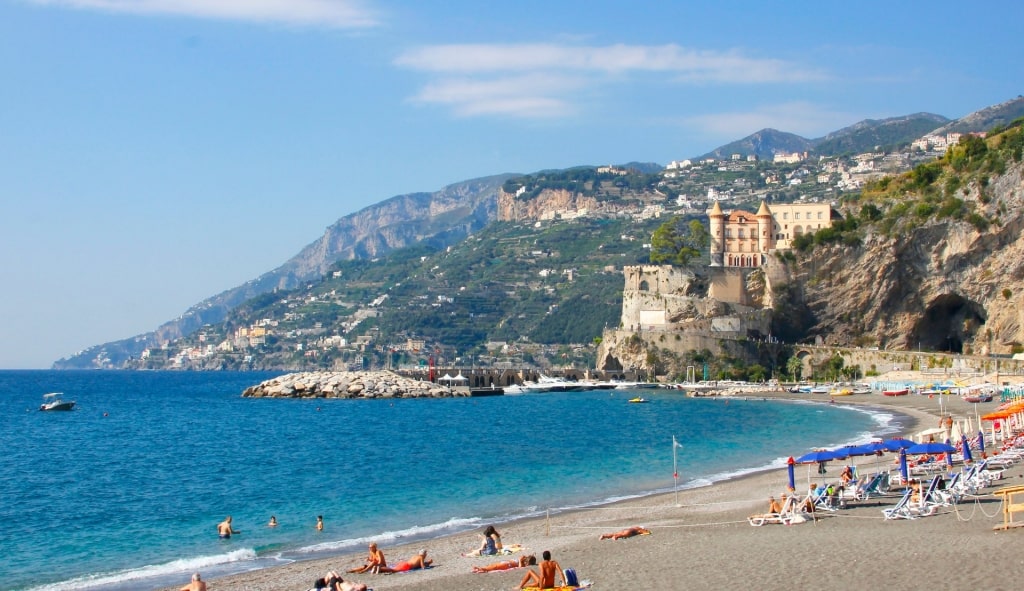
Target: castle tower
(716, 220)
(765, 236)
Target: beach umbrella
(949, 456)
(819, 455)
(790, 464)
(981, 442)
(967, 450)
(904, 471)
(931, 447)
(897, 444)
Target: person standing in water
(224, 529)
(319, 523)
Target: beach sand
(701, 539)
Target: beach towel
(511, 549)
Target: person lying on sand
(334, 582)
(507, 564)
(629, 532)
(416, 562)
(374, 561)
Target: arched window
(644, 286)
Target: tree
(676, 244)
(795, 367)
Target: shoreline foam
(701, 537)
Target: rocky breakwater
(348, 384)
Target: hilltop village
(752, 207)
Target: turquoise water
(125, 492)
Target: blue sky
(156, 152)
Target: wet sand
(701, 539)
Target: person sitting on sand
(490, 545)
(529, 560)
(415, 563)
(374, 561)
(846, 475)
(546, 578)
(334, 582)
(197, 584)
(629, 532)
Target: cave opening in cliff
(949, 321)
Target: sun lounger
(784, 516)
(901, 509)
(873, 487)
(930, 497)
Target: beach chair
(901, 510)
(875, 486)
(954, 490)
(823, 501)
(784, 516)
(930, 497)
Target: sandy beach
(701, 539)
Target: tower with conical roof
(716, 220)
(764, 230)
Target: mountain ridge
(440, 218)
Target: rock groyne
(349, 384)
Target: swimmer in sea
(224, 529)
(320, 523)
(273, 521)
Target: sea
(126, 491)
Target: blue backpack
(571, 579)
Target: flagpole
(675, 471)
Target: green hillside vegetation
(586, 181)
(885, 137)
(549, 290)
(930, 192)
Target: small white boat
(55, 401)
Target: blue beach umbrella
(949, 456)
(981, 443)
(931, 447)
(790, 464)
(897, 444)
(967, 450)
(904, 471)
(818, 455)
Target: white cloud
(529, 96)
(587, 66)
(729, 66)
(802, 118)
(343, 14)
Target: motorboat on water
(638, 400)
(55, 401)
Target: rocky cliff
(547, 203)
(943, 285)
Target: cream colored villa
(743, 239)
